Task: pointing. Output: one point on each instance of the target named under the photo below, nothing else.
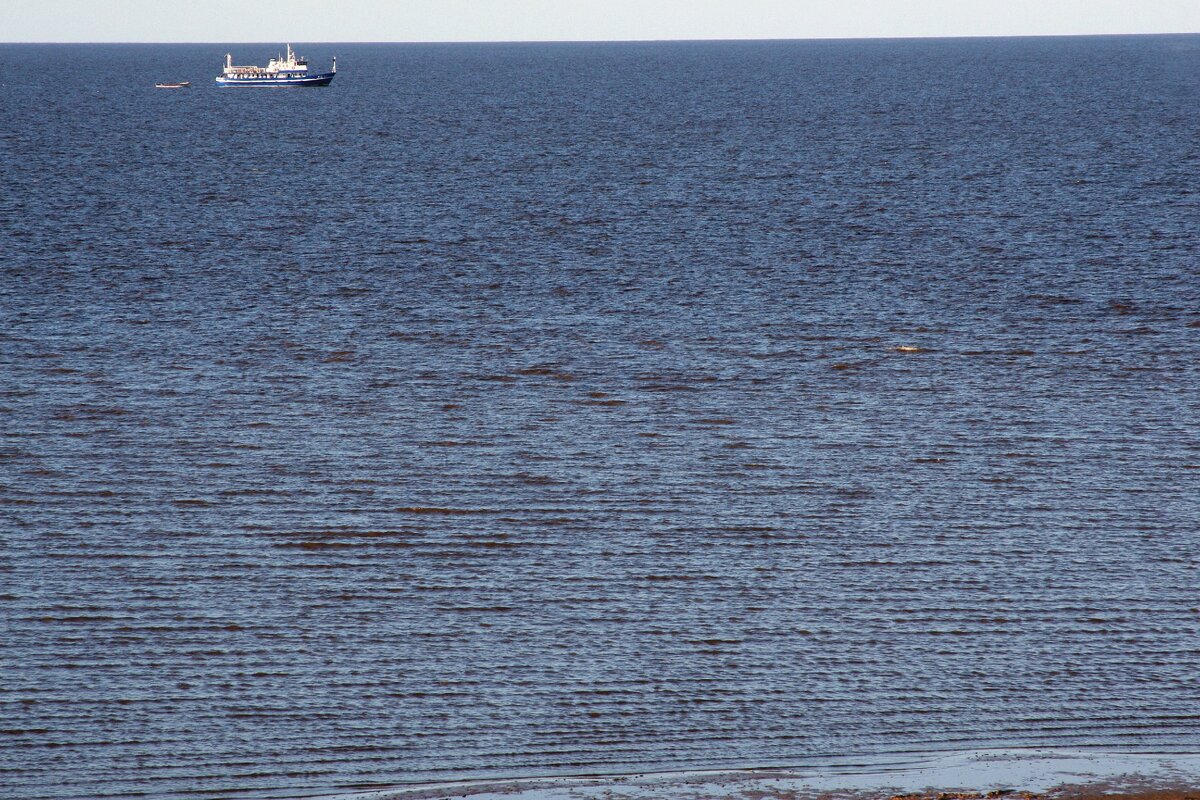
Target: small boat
(180, 85)
(290, 71)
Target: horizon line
(683, 40)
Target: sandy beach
(1025, 774)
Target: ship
(290, 71)
(168, 85)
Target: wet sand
(974, 775)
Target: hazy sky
(525, 20)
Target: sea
(555, 409)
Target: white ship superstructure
(279, 71)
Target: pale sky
(562, 20)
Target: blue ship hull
(324, 79)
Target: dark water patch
(981, 353)
(679, 577)
(530, 479)
(323, 544)
(88, 412)
(608, 402)
(192, 502)
(492, 544)
(552, 371)
(481, 609)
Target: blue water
(536, 409)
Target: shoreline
(1021, 774)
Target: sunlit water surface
(542, 409)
